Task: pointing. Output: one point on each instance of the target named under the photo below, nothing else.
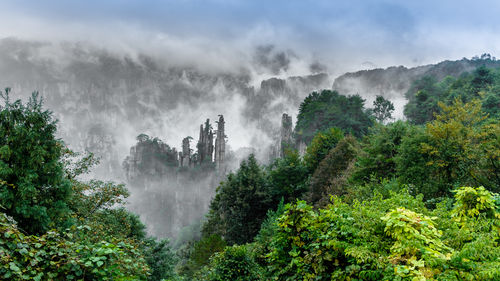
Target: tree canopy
(33, 187)
(327, 109)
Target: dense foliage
(320, 146)
(425, 93)
(54, 226)
(287, 177)
(240, 205)
(409, 200)
(406, 202)
(331, 175)
(33, 189)
(66, 256)
(321, 111)
(382, 109)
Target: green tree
(287, 177)
(379, 149)
(423, 96)
(33, 188)
(234, 263)
(382, 109)
(240, 204)
(201, 252)
(321, 111)
(40, 187)
(66, 256)
(338, 242)
(396, 238)
(99, 209)
(331, 176)
(160, 259)
(417, 244)
(412, 168)
(320, 145)
(457, 146)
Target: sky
(344, 35)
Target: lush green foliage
(398, 211)
(234, 263)
(381, 239)
(66, 256)
(401, 204)
(319, 147)
(427, 92)
(417, 245)
(96, 238)
(33, 188)
(474, 202)
(240, 205)
(382, 109)
(200, 253)
(287, 177)
(458, 148)
(327, 109)
(380, 147)
(160, 259)
(332, 173)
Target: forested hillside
(371, 198)
(394, 81)
(401, 200)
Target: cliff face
(104, 99)
(276, 96)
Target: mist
(105, 99)
(111, 71)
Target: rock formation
(185, 155)
(286, 138)
(206, 143)
(220, 144)
(150, 156)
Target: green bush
(66, 256)
(233, 264)
(396, 238)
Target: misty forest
(133, 165)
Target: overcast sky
(345, 34)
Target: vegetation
(34, 190)
(382, 109)
(327, 109)
(425, 94)
(55, 226)
(240, 205)
(409, 200)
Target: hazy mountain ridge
(393, 82)
(104, 99)
(399, 78)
